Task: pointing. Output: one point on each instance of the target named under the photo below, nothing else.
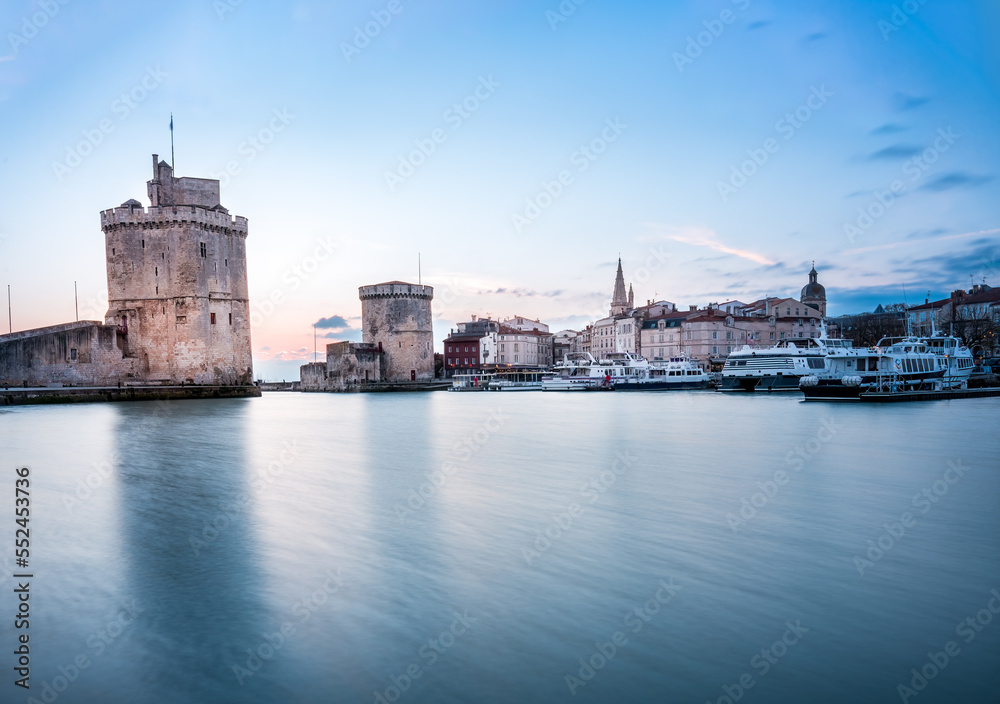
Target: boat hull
(661, 385)
(760, 383)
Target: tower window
(204, 250)
(227, 262)
(112, 251)
(72, 354)
(156, 271)
(144, 244)
(230, 318)
(213, 318)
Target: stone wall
(396, 316)
(348, 367)
(86, 353)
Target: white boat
(511, 380)
(469, 382)
(778, 368)
(960, 361)
(894, 364)
(576, 375)
(672, 374)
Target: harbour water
(675, 547)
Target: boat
(666, 375)
(515, 380)
(959, 359)
(470, 382)
(576, 375)
(779, 368)
(894, 365)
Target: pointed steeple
(631, 298)
(619, 299)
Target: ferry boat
(895, 364)
(596, 375)
(510, 380)
(675, 373)
(779, 368)
(960, 362)
(469, 382)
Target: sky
(515, 149)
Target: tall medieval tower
(397, 317)
(177, 282)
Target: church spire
(631, 298)
(619, 299)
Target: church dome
(813, 289)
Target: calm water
(208, 527)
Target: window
(230, 318)
(156, 271)
(715, 350)
(729, 334)
(772, 335)
(72, 354)
(715, 334)
(449, 348)
(213, 318)
(181, 319)
(204, 250)
(144, 244)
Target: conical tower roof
(619, 298)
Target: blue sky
(519, 148)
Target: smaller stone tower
(814, 294)
(397, 317)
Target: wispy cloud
(956, 179)
(896, 151)
(704, 237)
(909, 243)
(889, 128)
(904, 102)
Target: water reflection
(192, 557)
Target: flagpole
(172, 168)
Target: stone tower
(619, 299)
(177, 282)
(396, 316)
(814, 294)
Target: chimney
(693, 308)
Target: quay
(97, 394)
(901, 396)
